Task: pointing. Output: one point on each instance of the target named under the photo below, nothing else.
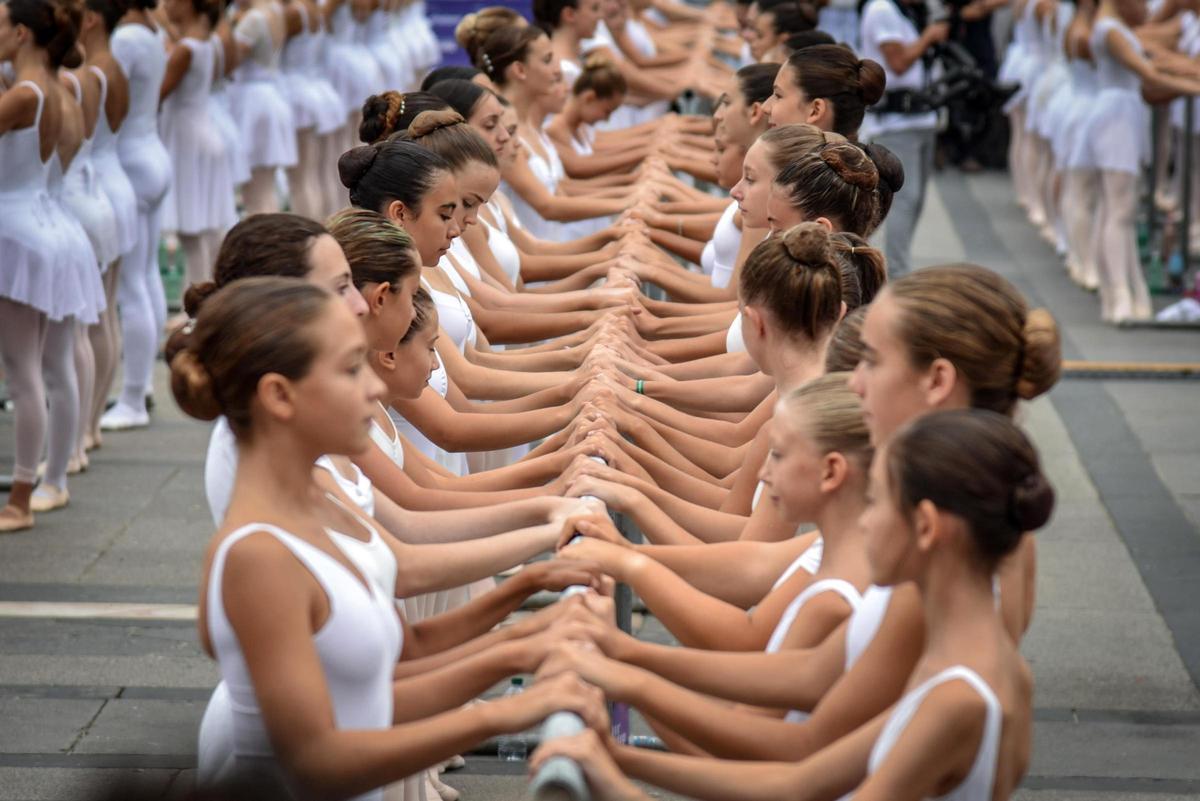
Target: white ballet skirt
(37, 236)
(262, 113)
(111, 175)
(719, 257)
(352, 70)
(1052, 75)
(315, 103)
(397, 73)
(1023, 58)
(201, 197)
(76, 250)
(84, 198)
(1116, 129)
(1068, 153)
(222, 117)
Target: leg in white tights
(1121, 278)
(22, 338)
(302, 179)
(158, 294)
(85, 374)
(198, 257)
(336, 196)
(106, 345)
(1080, 188)
(62, 393)
(139, 327)
(259, 192)
(1016, 155)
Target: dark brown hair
(378, 250)
(110, 11)
(977, 320)
(423, 310)
(835, 73)
(388, 112)
(846, 347)
(390, 170)
(505, 47)
(796, 277)
(246, 330)
(864, 269)
(448, 135)
(978, 466)
(68, 19)
(757, 81)
(836, 181)
(790, 16)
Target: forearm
(721, 364)
(649, 444)
(721, 394)
(524, 473)
(693, 289)
(484, 383)
(716, 459)
(527, 360)
(713, 779)
(667, 308)
(513, 328)
(429, 568)
(468, 622)
(678, 350)
(706, 567)
(677, 243)
(433, 691)
(681, 484)
(706, 524)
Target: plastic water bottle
(512, 747)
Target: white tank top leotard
(390, 444)
(809, 562)
(453, 314)
(455, 462)
(841, 587)
(733, 338)
(865, 622)
(980, 781)
(84, 197)
(548, 169)
(358, 647)
(142, 57)
(503, 248)
(358, 489)
(111, 174)
(726, 241)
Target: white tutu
(352, 70)
(222, 118)
(315, 103)
(86, 201)
(111, 175)
(264, 119)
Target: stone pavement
(101, 677)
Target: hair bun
(871, 81)
(355, 163)
(195, 295)
(1031, 502)
(1041, 362)
(192, 386)
(851, 164)
(808, 243)
(429, 121)
(889, 168)
(596, 59)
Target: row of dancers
(409, 395)
(1081, 136)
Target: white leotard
(548, 169)
(809, 561)
(453, 314)
(979, 783)
(84, 197)
(455, 462)
(733, 338)
(261, 111)
(358, 647)
(865, 622)
(142, 57)
(726, 241)
(358, 489)
(460, 255)
(390, 444)
(841, 587)
(111, 174)
(503, 248)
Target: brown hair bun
(808, 242)
(355, 163)
(195, 295)
(1041, 365)
(192, 386)
(852, 165)
(871, 81)
(429, 121)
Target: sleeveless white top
(390, 444)
(733, 338)
(358, 647)
(502, 247)
(865, 622)
(453, 314)
(841, 587)
(809, 562)
(978, 784)
(358, 489)
(726, 242)
(549, 171)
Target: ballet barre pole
(561, 779)
(1185, 236)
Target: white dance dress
(84, 197)
(202, 196)
(262, 113)
(315, 103)
(352, 70)
(111, 175)
(220, 110)
(1116, 130)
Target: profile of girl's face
(791, 473)
(436, 226)
(328, 269)
(415, 361)
(477, 182)
(781, 214)
(486, 120)
(752, 190)
(334, 401)
(889, 535)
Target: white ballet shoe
(123, 418)
(455, 762)
(47, 498)
(13, 520)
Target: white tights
(304, 187)
(199, 253)
(259, 192)
(22, 339)
(1080, 188)
(143, 311)
(337, 197)
(1123, 291)
(85, 374)
(62, 393)
(106, 347)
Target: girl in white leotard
(137, 45)
(100, 17)
(346, 661)
(962, 728)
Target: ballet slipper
(455, 762)
(92, 441)
(13, 519)
(47, 498)
(75, 465)
(443, 790)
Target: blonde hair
(977, 320)
(796, 276)
(826, 411)
(474, 28)
(789, 143)
(602, 76)
(378, 250)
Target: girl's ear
(397, 212)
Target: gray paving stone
(41, 784)
(43, 725)
(154, 670)
(1116, 750)
(144, 727)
